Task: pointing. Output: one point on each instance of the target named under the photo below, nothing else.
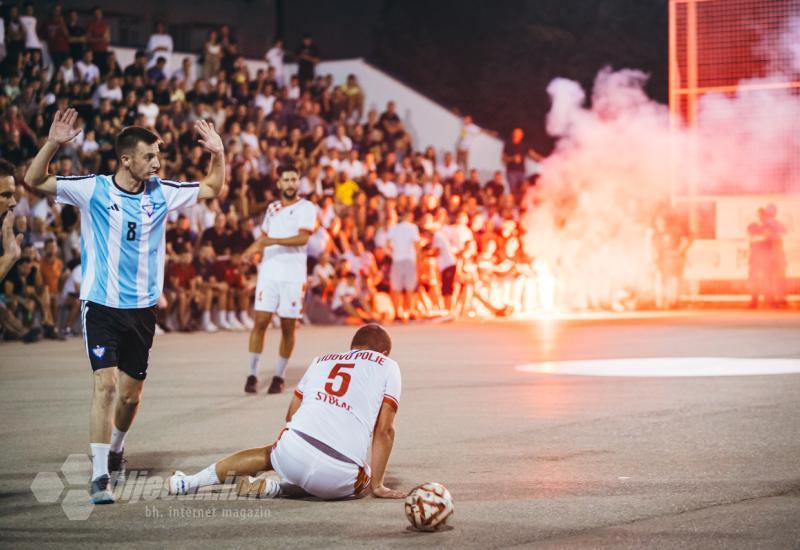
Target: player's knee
(105, 389)
(129, 399)
(267, 461)
(287, 329)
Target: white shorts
(283, 298)
(300, 463)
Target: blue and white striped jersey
(122, 236)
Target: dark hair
(287, 168)
(129, 138)
(372, 337)
(6, 168)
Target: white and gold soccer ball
(429, 506)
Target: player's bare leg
(288, 327)
(129, 395)
(103, 396)
(256, 346)
(100, 423)
(248, 462)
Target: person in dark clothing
(307, 60)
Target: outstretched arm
(61, 131)
(382, 443)
(293, 406)
(211, 185)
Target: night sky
(493, 59)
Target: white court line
(666, 367)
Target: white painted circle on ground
(666, 367)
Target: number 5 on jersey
(338, 372)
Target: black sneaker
(252, 384)
(276, 386)
(98, 490)
(117, 465)
(51, 334)
(32, 336)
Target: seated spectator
(213, 291)
(346, 303)
(180, 238)
(339, 141)
(70, 298)
(323, 277)
(148, 109)
(52, 268)
(158, 71)
(181, 292)
(355, 98)
(27, 297)
(346, 188)
(391, 125)
(87, 70)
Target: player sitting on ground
(322, 451)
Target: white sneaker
(233, 322)
(159, 331)
(222, 322)
(208, 326)
(246, 320)
(258, 487)
(178, 484)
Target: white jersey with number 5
(342, 395)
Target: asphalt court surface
(533, 459)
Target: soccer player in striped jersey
(123, 221)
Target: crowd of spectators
(404, 231)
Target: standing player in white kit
(282, 275)
(344, 402)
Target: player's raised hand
(63, 128)
(12, 246)
(381, 491)
(209, 138)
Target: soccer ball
(429, 506)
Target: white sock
(255, 359)
(99, 459)
(206, 317)
(117, 439)
(280, 368)
(204, 478)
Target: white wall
(428, 122)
